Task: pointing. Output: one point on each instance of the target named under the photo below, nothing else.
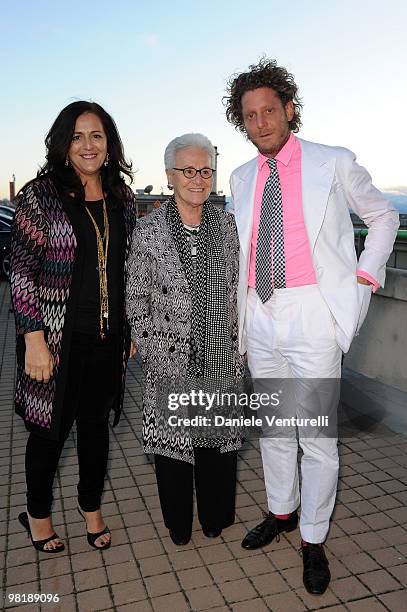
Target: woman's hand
(133, 350)
(39, 363)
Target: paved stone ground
(144, 571)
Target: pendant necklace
(102, 243)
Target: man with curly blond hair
(302, 294)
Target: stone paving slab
(143, 570)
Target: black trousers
(93, 381)
(215, 487)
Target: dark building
(12, 185)
(146, 202)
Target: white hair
(188, 140)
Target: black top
(87, 315)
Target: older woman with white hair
(181, 305)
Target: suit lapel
(245, 185)
(317, 172)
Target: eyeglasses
(191, 173)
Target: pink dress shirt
(299, 269)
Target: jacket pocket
(365, 294)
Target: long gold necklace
(102, 249)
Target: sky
(161, 68)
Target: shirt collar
(283, 156)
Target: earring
(67, 161)
(106, 160)
(171, 187)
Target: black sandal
(92, 537)
(39, 544)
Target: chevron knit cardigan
(43, 254)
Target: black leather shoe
(179, 540)
(211, 532)
(316, 575)
(270, 528)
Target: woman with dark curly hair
(71, 233)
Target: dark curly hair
(58, 141)
(264, 74)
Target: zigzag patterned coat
(43, 254)
(159, 308)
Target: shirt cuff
(367, 276)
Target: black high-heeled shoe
(39, 544)
(92, 537)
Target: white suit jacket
(332, 182)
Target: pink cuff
(367, 276)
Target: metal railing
(398, 258)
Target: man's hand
(39, 364)
(363, 281)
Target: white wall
(380, 350)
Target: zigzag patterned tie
(270, 260)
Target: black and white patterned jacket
(158, 305)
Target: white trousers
(292, 336)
